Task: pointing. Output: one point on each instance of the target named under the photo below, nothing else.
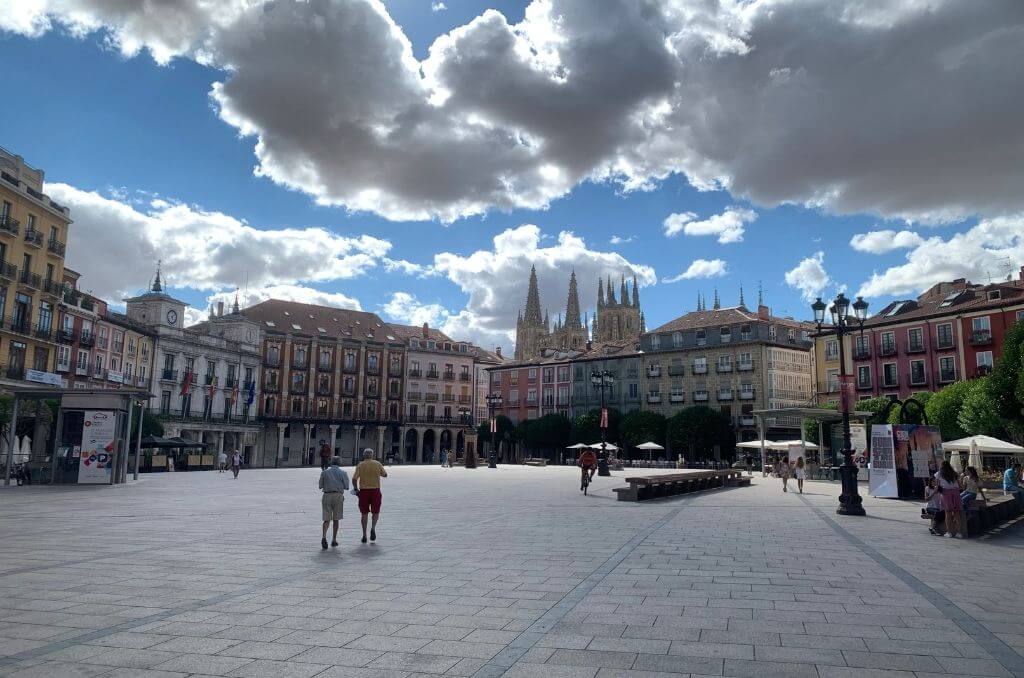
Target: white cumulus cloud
(700, 268)
(728, 225)
(765, 99)
(810, 277)
(880, 242)
(406, 309)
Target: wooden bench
(536, 462)
(642, 488)
(984, 516)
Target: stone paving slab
(486, 573)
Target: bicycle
(586, 481)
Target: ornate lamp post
(850, 502)
(601, 381)
(466, 420)
(494, 401)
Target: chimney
(590, 344)
(426, 331)
(1022, 273)
(763, 312)
(497, 351)
(220, 308)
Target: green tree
(549, 434)
(695, 431)
(1006, 384)
(912, 414)
(640, 426)
(505, 432)
(586, 428)
(944, 407)
(151, 426)
(811, 425)
(978, 415)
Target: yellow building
(33, 233)
(826, 374)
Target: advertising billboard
(99, 433)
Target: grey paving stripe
(525, 641)
(255, 587)
(1003, 653)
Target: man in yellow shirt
(366, 481)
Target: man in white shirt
(334, 483)
(222, 461)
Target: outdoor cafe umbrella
(974, 458)
(607, 446)
(577, 446)
(956, 462)
(649, 446)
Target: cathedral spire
(623, 293)
(157, 286)
(636, 293)
(743, 304)
(643, 323)
(611, 292)
(234, 308)
(760, 294)
(547, 324)
(718, 304)
(572, 304)
(532, 314)
(600, 292)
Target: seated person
(1011, 482)
(934, 509)
(971, 484)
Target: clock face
(172, 317)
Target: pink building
(530, 390)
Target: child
(934, 509)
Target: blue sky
(130, 129)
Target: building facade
(624, 362)
(618, 320)
(953, 331)
(733, 360)
(206, 380)
(530, 390)
(534, 333)
(33, 233)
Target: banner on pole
(604, 417)
(882, 479)
(494, 424)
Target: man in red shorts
(587, 463)
(366, 481)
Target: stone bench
(642, 488)
(536, 462)
(984, 516)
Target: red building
(534, 388)
(953, 331)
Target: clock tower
(157, 309)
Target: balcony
(298, 388)
(373, 370)
(917, 378)
(349, 366)
(66, 335)
(141, 382)
(415, 374)
(432, 374)
(63, 367)
(299, 365)
(431, 397)
(676, 398)
(169, 375)
(8, 270)
(654, 371)
(465, 400)
(395, 370)
(272, 387)
(654, 397)
(746, 336)
(981, 338)
(448, 397)
(945, 376)
(723, 368)
(700, 369)
(230, 382)
(15, 371)
(449, 375)
(9, 225)
(915, 347)
(982, 370)
(745, 366)
(861, 352)
(726, 338)
(86, 339)
(33, 280)
(208, 379)
(81, 370)
(56, 247)
(324, 366)
(831, 356)
(44, 332)
(747, 394)
(271, 361)
(465, 376)
(700, 396)
(725, 394)
(395, 394)
(21, 325)
(676, 370)
(747, 421)
(33, 237)
(414, 395)
(887, 349)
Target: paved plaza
(494, 572)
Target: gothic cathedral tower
(618, 320)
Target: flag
(604, 417)
(186, 383)
(494, 425)
(213, 387)
(234, 393)
(251, 395)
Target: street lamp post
(467, 420)
(601, 381)
(850, 502)
(493, 402)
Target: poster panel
(918, 452)
(882, 481)
(99, 431)
(919, 458)
(859, 443)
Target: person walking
(366, 481)
(949, 487)
(236, 463)
(325, 456)
(784, 474)
(451, 459)
(334, 483)
(222, 461)
(800, 474)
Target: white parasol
(956, 462)
(650, 447)
(607, 446)
(974, 458)
(26, 449)
(577, 446)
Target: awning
(986, 444)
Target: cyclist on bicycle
(587, 462)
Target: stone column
(280, 443)
(220, 442)
(380, 442)
(305, 444)
(357, 452)
(334, 436)
(419, 446)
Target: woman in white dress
(800, 474)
